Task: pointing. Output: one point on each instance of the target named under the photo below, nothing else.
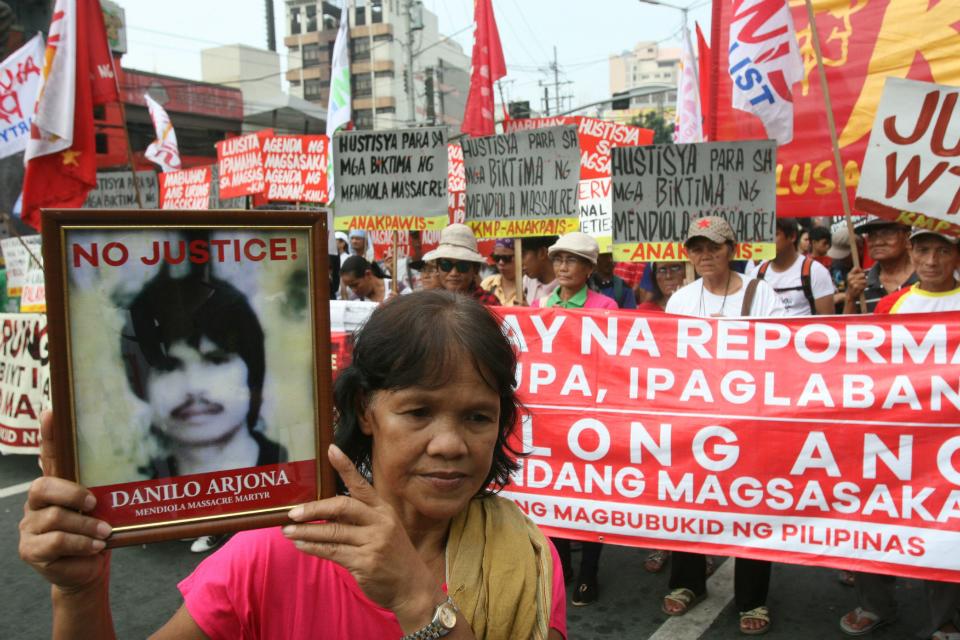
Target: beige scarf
(500, 571)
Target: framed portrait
(190, 365)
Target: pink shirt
(259, 586)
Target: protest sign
(596, 138)
(185, 189)
(658, 190)
(115, 190)
(522, 183)
(382, 242)
(240, 164)
(654, 430)
(295, 168)
(216, 200)
(393, 180)
(17, 257)
(910, 171)
(33, 297)
(24, 385)
(20, 81)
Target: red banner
(863, 43)
(457, 194)
(657, 431)
(295, 168)
(185, 189)
(240, 164)
(218, 493)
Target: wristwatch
(444, 620)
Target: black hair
(169, 310)
(357, 266)
(539, 242)
(415, 340)
(820, 233)
(788, 226)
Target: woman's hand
(56, 539)
(363, 534)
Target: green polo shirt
(576, 302)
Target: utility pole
(556, 80)
(411, 94)
(555, 67)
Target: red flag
(703, 63)
(61, 157)
(487, 66)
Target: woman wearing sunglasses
(458, 263)
(666, 278)
(503, 284)
(574, 258)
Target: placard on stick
(658, 190)
(911, 170)
(295, 168)
(523, 183)
(391, 180)
(185, 189)
(240, 164)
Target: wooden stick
(519, 296)
(838, 162)
(12, 228)
(394, 280)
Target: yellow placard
(524, 228)
(674, 251)
(390, 223)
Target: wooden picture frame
(190, 365)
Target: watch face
(448, 616)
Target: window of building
(310, 55)
(360, 14)
(382, 37)
(384, 74)
(99, 112)
(361, 49)
(362, 85)
(311, 18)
(363, 118)
(386, 110)
(100, 140)
(312, 89)
(376, 11)
(295, 21)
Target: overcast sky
(167, 36)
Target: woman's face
(708, 257)
(457, 275)
(571, 271)
(503, 259)
(433, 448)
(204, 398)
(669, 277)
(804, 245)
(362, 286)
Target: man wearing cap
(574, 257)
(888, 245)
(503, 284)
(936, 258)
(720, 292)
(459, 263)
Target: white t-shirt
(695, 300)
(789, 289)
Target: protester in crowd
(539, 280)
(367, 281)
(841, 261)
(803, 244)
(720, 292)
(888, 245)
(503, 284)
(935, 257)
(605, 281)
(667, 278)
(459, 263)
(343, 246)
(360, 244)
(574, 258)
(633, 273)
(426, 409)
(429, 275)
(820, 242)
(803, 284)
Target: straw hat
(457, 242)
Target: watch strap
(434, 629)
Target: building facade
(646, 65)
(379, 62)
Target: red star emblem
(703, 223)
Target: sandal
(686, 598)
(851, 628)
(656, 560)
(760, 614)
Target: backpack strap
(762, 271)
(748, 296)
(807, 283)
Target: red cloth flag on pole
(704, 62)
(78, 74)
(487, 66)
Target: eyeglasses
(670, 270)
(559, 261)
(505, 258)
(449, 265)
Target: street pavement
(806, 603)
